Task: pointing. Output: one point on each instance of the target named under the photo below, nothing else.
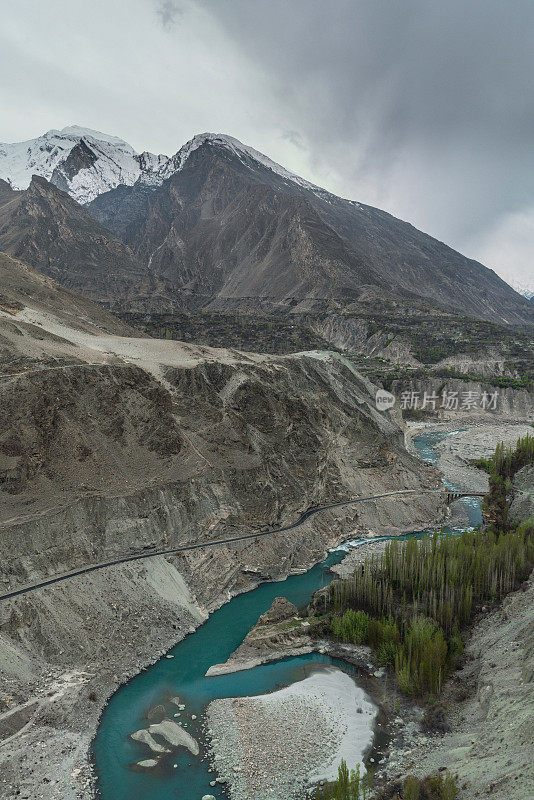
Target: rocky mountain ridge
(229, 232)
(44, 227)
(225, 228)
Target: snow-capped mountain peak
(527, 290)
(78, 132)
(87, 163)
(242, 151)
(81, 161)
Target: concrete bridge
(452, 496)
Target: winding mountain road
(153, 553)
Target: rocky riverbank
(276, 745)
(456, 454)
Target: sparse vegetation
(431, 335)
(482, 463)
(349, 785)
(253, 334)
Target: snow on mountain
(242, 151)
(526, 291)
(86, 163)
(83, 162)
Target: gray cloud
(168, 12)
(424, 107)
(293, 137)
(421, 107)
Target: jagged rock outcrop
(281, 609)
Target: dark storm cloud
(427, 107)
(421, 68)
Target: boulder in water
(175, 735)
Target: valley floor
(474, 439)
(47, 755)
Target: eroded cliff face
(102, 461)
(119, 445)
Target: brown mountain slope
(49, 230)
(225, 229)
(22, 286)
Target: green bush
(349, 785)
(420, 661)
(412, 788)
(485, 464)
(443, 787)
(351, 627)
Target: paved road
(153, 553)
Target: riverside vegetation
(349, 785)
(411, 603)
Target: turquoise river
(185, 776)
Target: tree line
(411, 603)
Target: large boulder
(280, 610)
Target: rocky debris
(281, 609)
(276, 745)
(145, 736)
(148, 763)
(357, 556)
(522, 505)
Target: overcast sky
(423, 108)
